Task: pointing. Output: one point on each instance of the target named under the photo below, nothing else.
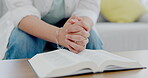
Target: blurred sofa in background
(1, 8)
(125, 36)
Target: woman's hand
(78, 34)
(84, 22)
(63, 32)
(74, 34)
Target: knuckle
(83, 42)
(87, 41)
(70, 29)
(77, 28)
(80, 38)
(81, 28)
(85, 24)
(83, 32)
(88, 34)
(80, 49)
(75, 51)
(77, 47)
(83, 48)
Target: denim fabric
(94, 41)
(22, 45)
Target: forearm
(38, 28)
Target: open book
(65, 63)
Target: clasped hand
(74, 34)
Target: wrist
(61, 37)
(57, 38)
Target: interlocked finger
(82, 43)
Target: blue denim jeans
(22, 45)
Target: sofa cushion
(123, 37)
(122, 10)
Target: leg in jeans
(22, 45)
(94, 41)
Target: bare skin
(78, 34)
(74, 34)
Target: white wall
(3, 8)
(145, 2)
(0, 8)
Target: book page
(101, 57)
(96, 56)
(53, 63)
(62, 58)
